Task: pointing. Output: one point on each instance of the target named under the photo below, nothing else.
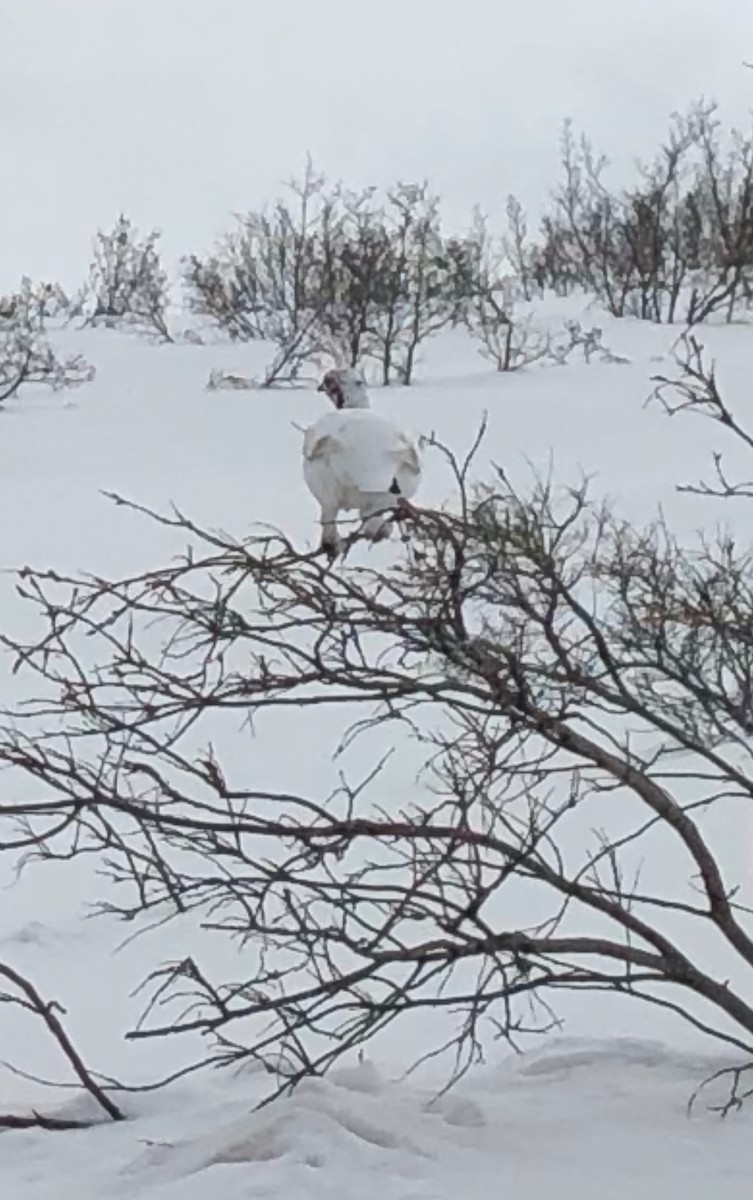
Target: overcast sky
(181, 111)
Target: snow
(581, 1118)
(603, 1109)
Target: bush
(676, 246)
(393, 279)
(552, 663)
(263, 280)
(510, 341)
(26, 356)
(127, 285)
(335, 273)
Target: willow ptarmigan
(355, 459)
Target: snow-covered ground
(580, 1120)
(602, 1110)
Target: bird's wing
(317, 444)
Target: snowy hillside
(453, 829)
(576, 1117)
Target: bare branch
(29, 998)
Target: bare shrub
(723, 214)
(356, 255)
(23, 994)
(554, 266)
(511, 336)
(509, 340)
(519, 250)
(397, 279)
(417, 303)
(590, 343)
(262, 283)
(579, 735)
(335, 273)
(127, 285)
(26, 356)
(678, 245)
(694, 388)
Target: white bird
(355, 459)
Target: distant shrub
(26, 355)
(366, 277)
(262, 281)
(127, 285)
(331, 272)
(675, 246)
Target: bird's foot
(403, 510)
(376, 531)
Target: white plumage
(355, 459)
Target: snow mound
(578, 1118)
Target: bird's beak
(321, 388)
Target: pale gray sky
(180, 111)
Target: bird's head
(345, 388)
